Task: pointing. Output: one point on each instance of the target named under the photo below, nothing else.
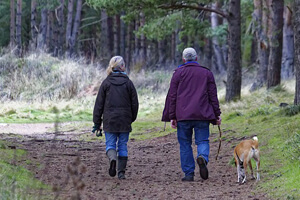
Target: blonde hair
(115, 63)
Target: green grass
(16, 181)
(257, 113)
(278, 134)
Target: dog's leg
(250, 166)
(238, 172)
(245, 167)
(257, 168)
(257, 160)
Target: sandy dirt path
(77, 168)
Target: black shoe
(188, 178)
(203, 169)
(112, 168)
(121, 175)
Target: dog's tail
(255, 143)
(241, 163)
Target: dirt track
(79, 168)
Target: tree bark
(137, 43)
(173, 47)
(218, 54)
(33, 25)
(50, 28)
(296, 21)
(162, 52)
(117, 35)
(43, 29)
(234, 76)
(206, 54)
(12, 23)
(75, 31)
(287, 70)
(69, 22)
(60, 28)
(104, 55)
(261, 16)
(19, 28)
(143, 39)
(110, 33)
(123, 39)
(130, 42)
(274, 67)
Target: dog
(243, 153)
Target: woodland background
(53, 56)
(231, 36)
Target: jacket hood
(117, 78)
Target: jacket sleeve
(173, 94)
(99, 105)
(165, 114)
(134, 102)
(212, 94)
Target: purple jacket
(192, 95)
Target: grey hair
(189, 54)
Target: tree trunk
(234, 76)
(162, 52)
(33, 25)
(296, 21)
(75, 31)
(50, 28)
(130, 43)
(19, 28)
(254, 48)
(43, 30)
(287, 70)
(69, 22)
(12, 23)
(60, 28)
(104, 55)
(261, 16)
(117, 35)
(143, 40)
(123, 39)
(218, 54)
(137, 42)
(110, 33)
(173, 47)
(274, 67)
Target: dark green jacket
(117, 102)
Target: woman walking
(117, 102)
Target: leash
(220, 141)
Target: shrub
(292, 147)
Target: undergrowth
(259, 113)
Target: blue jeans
(117, 139)
(184, 135)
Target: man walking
(191, 105)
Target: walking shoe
(187, 178)
(121, 175)
(112, 168)
(203, 169)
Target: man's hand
(174, 123)
(219, 120)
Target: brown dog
(243, 153)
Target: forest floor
(77, 168)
